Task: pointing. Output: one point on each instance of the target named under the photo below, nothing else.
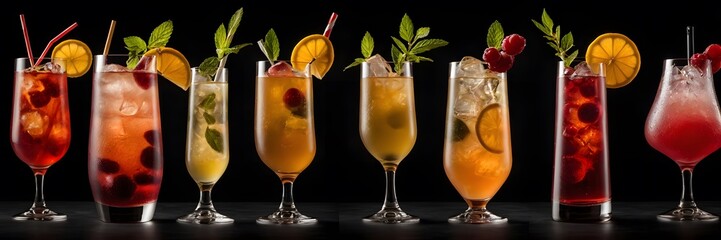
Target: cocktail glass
(581, 184)
(40, 126)
(285, 132)
(684, 124)
(125, 152)
(206, 151)
(388, 127)
(477, 150)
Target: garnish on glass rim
(501, 51)
(137, 46)
(400, 51)
(211, 66)
(561, 44)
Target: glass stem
(205, 203)
(287, 204)
(390, 201)
(39, 201)
(687, 190)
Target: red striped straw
(52, 41)
(331, 23)
(27, 39)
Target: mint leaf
(135, 44)
(208, 102)
(495, 35)
(402, 51)
(427, 45)
(233, 25)
(406, 28)
(559, 44)
(161, 35)
(367, 45)
(270, 46)
(422, 32)
(220, 39)
(208, 66)
(214, 139)
(209, 118)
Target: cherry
(504, 63)
(108, 166)
(491, 55)
(150, 136)
(143, 178)
(39, 99)
(713, 52)
(513, 44)
(588, 112)
(280, 69)
(699, 60)
(568, 71)
(142, 78)
(294, 100)
(574, 170)
(122, 187)
(147, 158)
(51, 88)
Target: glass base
(582, 213)
(205, 217)
(391, 216)
(687, 214)
(113, 214)
(40, 214)
(476, 216)
(286, 217)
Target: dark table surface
(528, 220)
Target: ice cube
(378, 66)
(470, 67)
(115, 68)
(582, 69)
(488, 90)
(34, 122)
(53, 67)
(691, 73)
(128, 107)
(466, 106)
(296, 123)
(392, 85)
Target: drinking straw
(27, 39)
(52, 41)
(331, 23)
(689, 42)
(110, 37)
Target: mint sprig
(403, 51)
(269, 46)
(561, 44)
(211, 66)
(137, 46)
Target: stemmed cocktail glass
(684, 124)
(40, 125)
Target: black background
(343, 170)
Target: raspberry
(280, 69)
(699, 60)
(513, 44)
(713, 52)
(294, 100)
(504, 63)
(150, 136)
(491, 55)
(122, 187)
(142, 78)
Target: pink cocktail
(684, 124)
